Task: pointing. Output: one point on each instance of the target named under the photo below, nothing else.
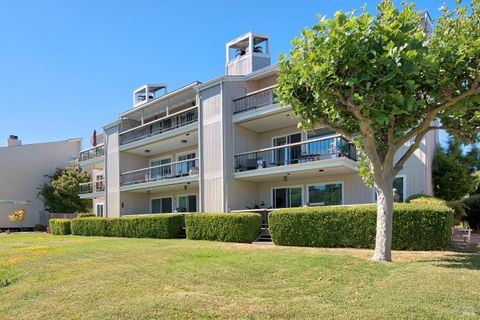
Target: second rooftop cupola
(247, 53)
(147, 93)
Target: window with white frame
(184, 167)
(99, 209)
(161, 169)
(288, 197)
(325, 194)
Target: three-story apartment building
(227, 145)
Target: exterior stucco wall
(112, 172)
(23, 169)
(211, 150)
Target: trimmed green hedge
(415, 226)
(163, 226)
(86, 215)
(227, 227)
(60, 226)
(426, 200)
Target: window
(99, 210)
(399, 185)
(162, 171)
(161, 205)
(322, 147)
(325, 194)
(187, 203)
(287, 197)
(184, 167)
(319, 133)
(284, 156)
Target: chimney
(13, 140)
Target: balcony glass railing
(160, 126)
(92, 187)
(254, 100)
(306, 151)
(92, 153)
(157, 173)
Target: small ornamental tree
(61, 193)
(18, 216)
(383, 81)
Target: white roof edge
(165, 96)
(270, 69)
(112, 124)
(246, 35)
(164, 85)
(45, 142)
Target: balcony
(305, 155)
(92, 153)
(159, 126)
(92, 187)
(166, 174)
(254, 100)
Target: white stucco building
(22, 170)
(226, 145)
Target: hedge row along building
(226, 145)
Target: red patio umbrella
(94, 138)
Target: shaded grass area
(68, 277)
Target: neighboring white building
(22, 171)
(225, 145)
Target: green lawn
(69, 277)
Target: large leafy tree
(61, 193)
(472, 159)
(452, 172)
(384, 80)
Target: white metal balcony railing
(159, 126)
(300, 152)
(161, 172)
(254, 100)
(92, 187)
(92, 153)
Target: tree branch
(416, 143)
(328, 124)
(435, 109)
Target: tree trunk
(383, 240)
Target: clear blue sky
(68, 67)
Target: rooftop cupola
(247, 53)
(147, 93)
(426, 21)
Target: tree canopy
(386, 81)
(61, 193)
(452, 172)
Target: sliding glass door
(187, 203)
(288, 155)
(287, 197)
(162, 205)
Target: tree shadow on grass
(469, 261)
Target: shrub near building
(415, 226)
(163, 226)
(86, 215)
(227, 227)
(60, 226)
